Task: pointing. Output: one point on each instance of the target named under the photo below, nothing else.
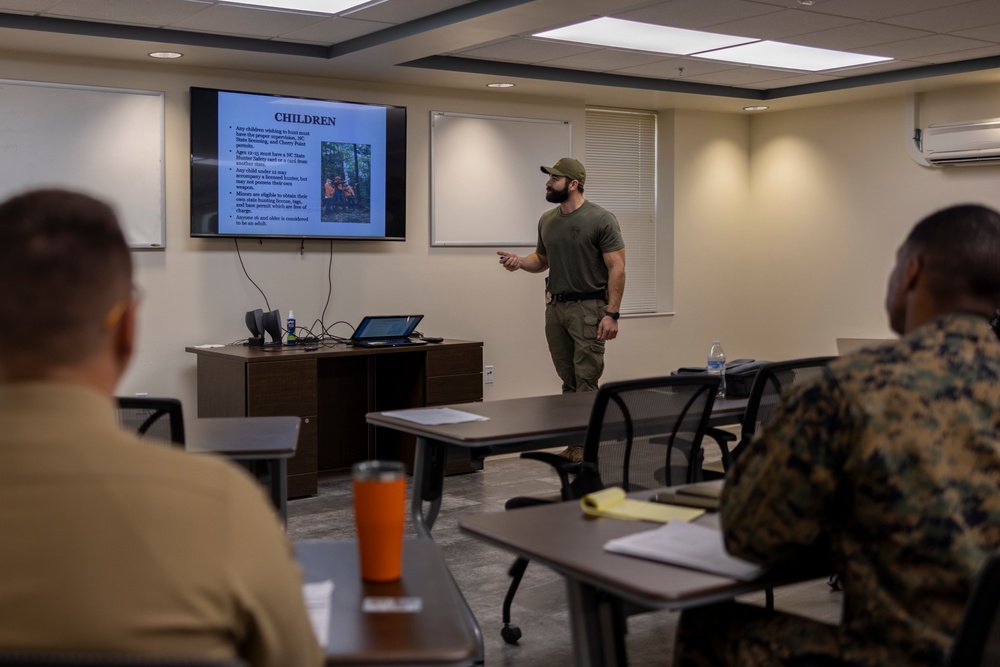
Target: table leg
(429, 460)
(597, 626)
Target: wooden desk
(270, 441)
(331, 389)
(517, 424)
(439, 634)
(561, 536)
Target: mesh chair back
(977, 643)
(157, 418)
(773, 379)
(646, 433)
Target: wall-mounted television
(268, 166)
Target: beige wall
(784, 228)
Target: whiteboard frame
(494, 189)
(147, 239)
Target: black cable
(237, 244)
(329, 287)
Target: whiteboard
(486, 186)
(107, 142)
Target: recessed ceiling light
(642, 36)
(790, 56)
(312, 6)
(757, 108)
(166, 55)
(500, 84)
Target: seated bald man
(112, 544)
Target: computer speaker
(272, 325)
(255, 323)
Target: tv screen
(267, 166)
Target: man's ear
(124, 333)
(912, 271)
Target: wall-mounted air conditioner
(973, 143)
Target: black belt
(584, 296)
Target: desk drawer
(282, 388)
(454, 389)
(451, 361)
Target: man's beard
(556, 196)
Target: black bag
(740, 374)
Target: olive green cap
(568, 167)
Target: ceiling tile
(605, 60)
(526, 51)
(778, 25)
(956, 56)
(131, 12)
(28, 6)
(925, 46)
(986, 33)
(334, 31)
(669, 68)
(228, 20)
(857, 36)
(696, 13)
(797, 80)
(874, 10)
(401, 11)
(961, 16)
(742, 76)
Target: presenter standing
(581, 246)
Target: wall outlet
(141, 394)
(488, 374)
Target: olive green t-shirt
(575, 245)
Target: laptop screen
(386, 326)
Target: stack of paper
(611, 502)
(689, 545)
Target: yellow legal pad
(611, 502)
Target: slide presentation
(299, 167)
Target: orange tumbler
(379, 514)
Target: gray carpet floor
(481, 570)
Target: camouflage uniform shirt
(891, 462)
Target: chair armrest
(562, 466)
(723, 438)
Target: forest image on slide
(346, 182)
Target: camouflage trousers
(732, 634)
(571, 331)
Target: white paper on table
(686, 544)
(435, 416)
(319, 600)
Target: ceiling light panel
(311, 6)
(623, 34)
(791, 56)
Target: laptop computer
(386, 331)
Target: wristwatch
(612, 314)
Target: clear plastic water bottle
(717, 365)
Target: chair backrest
(977, 643)
(646, 433)
(159, 418)
(773, 379)
(61, 659)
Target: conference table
(513, 425)
(268, 441)
(570, 542)
(418, 620)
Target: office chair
(159, 418)
(977, 643)
(771, 380)
(642, 434)
(68, 659)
